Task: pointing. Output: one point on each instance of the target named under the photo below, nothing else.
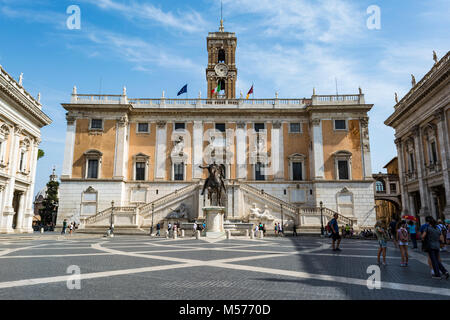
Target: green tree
(50, 202)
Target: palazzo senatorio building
(140, 158)
(21, 118)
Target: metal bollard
(182, 233)
(175, 234)
(197, 235)
(228, 234)
(261, 234)
(42, 229)
(252, 235)
(246, 233)
(167, 234)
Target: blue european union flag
(183, 90)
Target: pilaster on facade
(418, 147)
(277, 150)
(69, 147)
(401, 164)
(365, 146)
(317, 137)
(241, 150)
(161, 141)
(197, 155)
(121, 149)
(444, 155)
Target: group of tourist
(71, 227)
(433, 234)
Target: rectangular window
(340, 125)
(96, 124)
(297, 171)
(140, 171)
(343, 169)
(295, 127)
(92, 169)
(180, 126)
(178, 171)
(259, 126)
(411, 162)
(22, 156)
(393, 188)
(220, 127)
(259, 174)
(433, 152)
(143, 128)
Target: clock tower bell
(221, 71)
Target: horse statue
(215, 183)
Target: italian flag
(216, 90)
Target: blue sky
(289, 46)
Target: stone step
(117, 230)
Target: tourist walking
(432, 238)
(402, 238)
(276, 229)
(393, 231)
(412, 233)
(444, 232)
(64, 227)
(280, 229)
(158, 230)
(71, 228)
(382, 237)
(194, 227)
(335, 233)
(294, 231)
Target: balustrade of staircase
(158, 203)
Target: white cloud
(324, 21)
(188, 21)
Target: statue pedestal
(214, 221)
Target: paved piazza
(139, 267)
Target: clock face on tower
(221, 70)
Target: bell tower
(221, 68)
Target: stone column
(365, 145)
(277, 152)
(424, 210)
(28, 219)
(8, 211)
(319, 171)
(121, 152)
(197, 150)
(21, 212)
(69, 147)
(161, 141)
(402, 185)
(241, 151)
(442, 134)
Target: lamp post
(153, 211)
(321, 219)
(112, 218)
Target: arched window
(221, 56)
(222, 86)
(379, 186)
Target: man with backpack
(335, 232)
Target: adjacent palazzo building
(282, 156)
(421, 121)
(21, 119)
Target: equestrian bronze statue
(215, 184)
